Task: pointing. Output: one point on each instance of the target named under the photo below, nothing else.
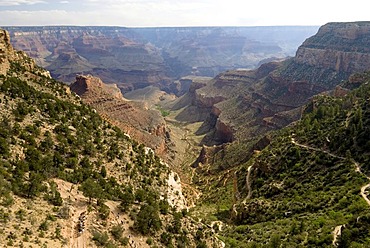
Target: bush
(117, 232)
(100, 239)
(44, 226)
(149, 241)
(104, 212)
(148, 220)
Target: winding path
(249, 182)
(338, 229)
(315, 149)
(336, 233)
(78, 205)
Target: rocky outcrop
(5, 50)
(146, 126)
(18, 59)
(137, 57)
(248, 103)
(206, 154)
(87, 83)
(224, 132)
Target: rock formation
(146, 126)
(245, 104)
(109, 53)
(138, 57)
(5, 50)
(10, 57)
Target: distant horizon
(178, 13)
(117, 26)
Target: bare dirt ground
(78, 205)
(336, 233)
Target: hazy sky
(136, 13)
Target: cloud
(49, 17)
(20, 2)
(135, 13)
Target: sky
(160, 13)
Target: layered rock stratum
(145, 125)
(138, 57)
(244, 104)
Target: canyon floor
(184, 147)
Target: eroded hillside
(245, 104)
(309, 186)
(144, 125)
(70, 179)
(138, 57)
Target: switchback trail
(337, 230)
(315, 149)
(357, 166)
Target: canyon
(245, 104)
(79, 187)
(134, 58)
(247, 128)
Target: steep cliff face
(10, 57)
(334, 53)
(146, 126)
(107, 52)
(248, 103)
(137, 57)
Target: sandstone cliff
(12, 58)
(109, 53)
(245, 104)
(138, 57)
(146, 126)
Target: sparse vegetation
(164, 112)
(300, 193)
(58, 157)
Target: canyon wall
(332, 55)
(146, 126)
(248, 103)
(138, 57)
(110, 53)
